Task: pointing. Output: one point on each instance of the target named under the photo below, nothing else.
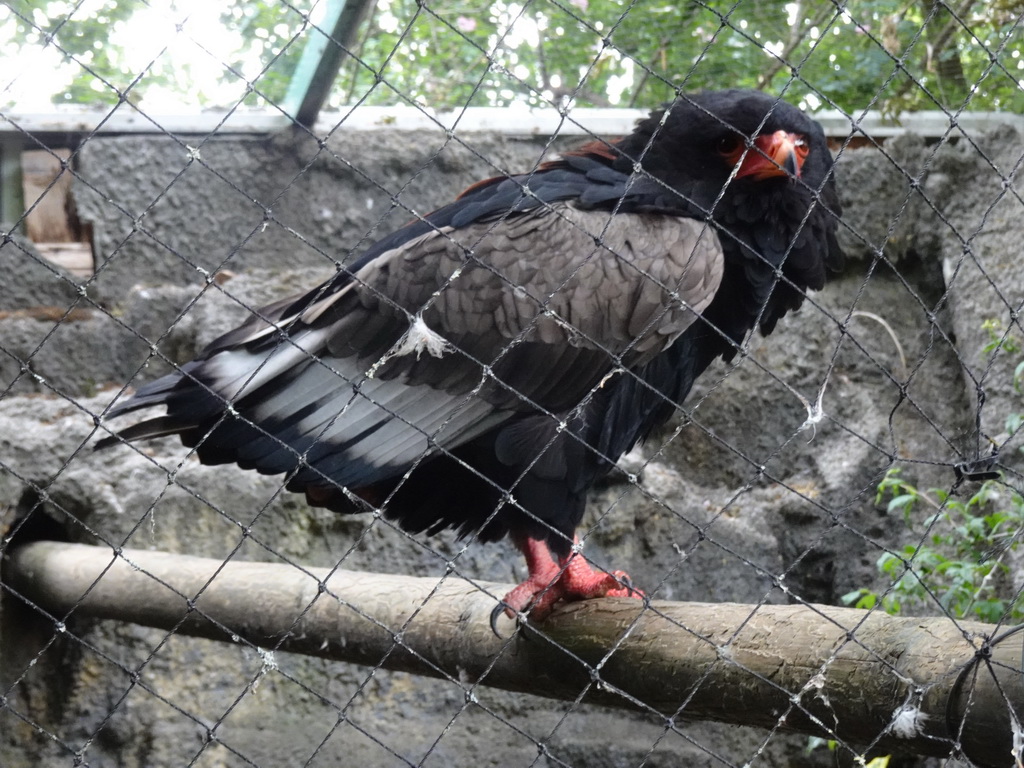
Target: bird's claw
(501, 608)
(628, 590)
(537, 608)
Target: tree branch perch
(924, 685)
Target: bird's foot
(571, 578)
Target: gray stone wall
(742, 498)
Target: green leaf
(860, 598)
(904, 501)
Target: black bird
(480, 368)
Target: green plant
(959, 565)
(999, 339)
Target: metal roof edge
(933, 124)
(511, 121)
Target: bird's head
(761, 171)
(781, 153)
(709, 146)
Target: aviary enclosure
(825, 531)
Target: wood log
(932, 686)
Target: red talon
(570, 578)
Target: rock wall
(751, 494)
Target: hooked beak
(777, 154)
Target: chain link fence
(826, 530)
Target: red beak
(778, 154)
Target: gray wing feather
(625, 284)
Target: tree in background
(888, 54)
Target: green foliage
(270, 35)
(37, 22)
(588, 51)
(959, 565)
(867, 53)
(999, 338)
(595, 53)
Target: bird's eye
(730, 144)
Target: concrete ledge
(510, 121)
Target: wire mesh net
(825, 530)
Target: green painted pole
(322, 57)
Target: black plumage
(481, 368)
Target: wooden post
(931, 686)
(52, 223)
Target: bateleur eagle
(481, 367)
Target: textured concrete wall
(743, 500)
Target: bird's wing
(438, 339)
(622, 285)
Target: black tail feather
(162, 426)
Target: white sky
(30, 78)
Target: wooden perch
(925, 685)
